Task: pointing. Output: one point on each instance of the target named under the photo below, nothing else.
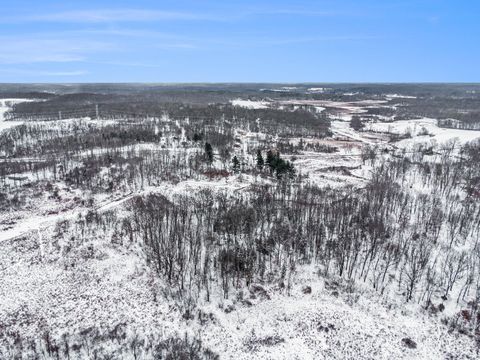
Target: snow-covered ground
(323, 326)
(250, 104)
(5, 105)
(319, 90)
(103, 284)
(398, 96)
(39, 222)
(424, 130)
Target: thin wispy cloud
(31, 49)
(108, 15)
(152, 15)
(314, 39)
(126, 64)
(259, 41)
(175, 46)
(292, 12)
(126, 32)
(164, 40)
(43, 73)
(83, 46)
(63, 73)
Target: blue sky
(240, 41)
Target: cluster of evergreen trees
(276, 165)
(273, 163)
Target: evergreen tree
(356, 123)
(279, 166)
(271, 160)
(260, 161)
(208, 152)
(197, 137)
(284, 168)
(236, 164)
(290, 169)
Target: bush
(409, 343)
(356, 124)
(176, 348)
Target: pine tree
(197, 137)
(356, 123)
(279, 166)
(236, 164)
(208, 152)
(260, 161)
(271, 160)
(290, 169)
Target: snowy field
(5, 105)
(424, 130)
(250, 104)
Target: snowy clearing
(250, 104)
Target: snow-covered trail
(342, 128)
(39, 222)
(35, 223)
